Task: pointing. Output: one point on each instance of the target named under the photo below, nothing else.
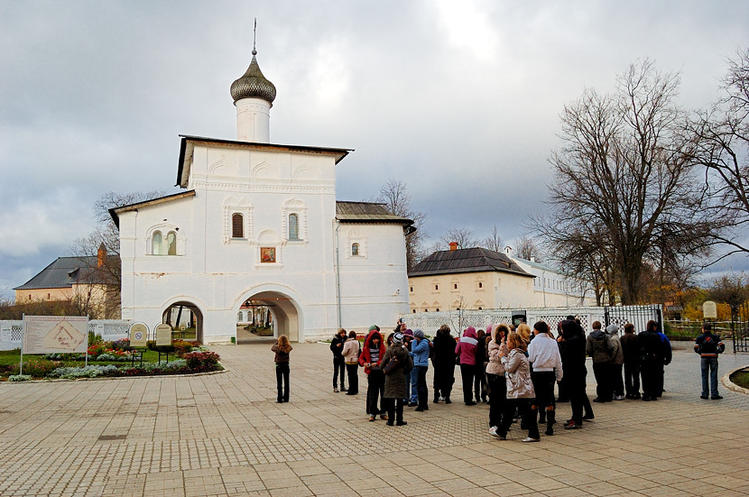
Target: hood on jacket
(371, 335)
(470, 332)
(597, 334)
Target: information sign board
(163, 334)
(138, 335)
(709, 310)
(55, 334)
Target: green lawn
(11, 357)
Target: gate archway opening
(267, 315)
(186, 320)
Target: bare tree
(493, 241)
(623, 176)
(99, 253)
(528, 249)
(722, 138)
(462, 236)
(731, 289)
(394, 194)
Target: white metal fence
(11, 332)
(458, 320)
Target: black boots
(550, 420)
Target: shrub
(19, 377)
(93, 338)
(85, 372)
(182, 347)
(64, 357)
(202, 361)
(96, 349)
(121, 344)
(39, 368)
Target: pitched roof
(63, 272)
(470, 260)
(115, 212)
(367, 212)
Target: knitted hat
(398, 337)
(612, 329)
(408, 332)
(418, 333)
(374, 327)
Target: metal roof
(468, 260)
(367, 212)
(63, 272)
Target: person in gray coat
(396, 364)
(617, 362)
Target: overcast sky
(459, 100)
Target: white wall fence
(11, 332)
(638, 315)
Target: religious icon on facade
(267, 254)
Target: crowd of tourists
(512, 369)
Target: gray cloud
(459, 100)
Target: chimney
(101, 255)
(453, 246)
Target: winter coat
(420, 352)
(599, 347)
(466, 347)
(709, 345)
(351, 351)
(494, 366)
(617, 353)
(572, 350)
(652, 349)
(630, 348)
(335, 349)
(518, 375)
(281, 357)
(666, 347)
(444, 351)
(481, 350)
(366, 356)
(543, 354)
(395, 381)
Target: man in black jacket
(339, 364)
(708, 346)
(652, 357)
(573, 364)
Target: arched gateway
(186, 320)
(285, 316)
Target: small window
(412, 310)
(156, 243)
(437, 309)
(426, 310)
(237, 225)
(294, 227)
(481, 285)
(29, 297)
(354, 249)
(455, 286)
(436, 287)
(49, 296)
(480, 308)
(411, 289)
(171, 243)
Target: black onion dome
(252, 84)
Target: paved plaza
(224, 435)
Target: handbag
(391, 365)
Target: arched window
(156, 243)
(237, 225)
(293, 227)
(171, 243)
(354, 249)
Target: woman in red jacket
(466, 352)
(371, 357)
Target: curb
(726, 381)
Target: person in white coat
(543, 354)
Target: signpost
(709, 310)
(163, 337)
(54, 334)
(138, 340)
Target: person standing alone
(708, 346)
(339, 363)
(282, 349)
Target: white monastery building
(258, 222)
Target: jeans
(339, 367)
(375, 389)
(466, 372)
(497, 398)
(282, 376)
(421, 386)
(352, 370)
(412, 386)
(711, 364)
(632, 378)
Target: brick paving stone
(224, 435)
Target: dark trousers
(479, 382)
(282, 376)
(444, 377)
(659, 378)
(466, 372)
(650, 384)
(394, 409)
(602, 372)
(543, 384)
(617, 385)
(527, 410)
(339, 367)
(709, 367)
(632, 378)
(421, 386)
(375, 389)
(574, 385)
(353, 378)
(497, 398)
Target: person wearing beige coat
(495, 377)
(350, 353)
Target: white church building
(259, 222)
